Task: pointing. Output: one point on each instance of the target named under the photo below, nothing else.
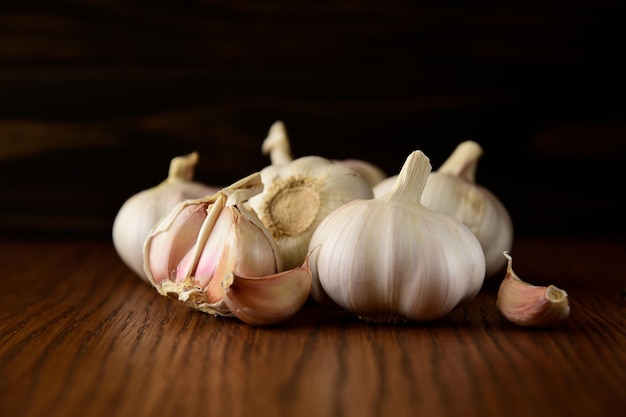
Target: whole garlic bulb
(139, 213)
(453, 190)
(299, 193)
(392, 259)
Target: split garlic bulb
(216, 256)
(140, 212)
(299, 193)
(392, 259)
(453, 190)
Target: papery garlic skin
(529, 305)
(477, 208)
(139, 213)
(372, 173)
(299, 193)
(392, 259)
(453, 190)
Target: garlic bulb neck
(277, 145)
(182, 168)
(463, 161)
(410, 182)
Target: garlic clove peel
(269, 299)
(528, 305)
(372, 173)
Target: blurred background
(97, 96)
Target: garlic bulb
(141, 211)
(216, 256)
(392, 259)
(529, 305)
(299, 193)
(453, 190)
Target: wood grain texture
(81, 335)
(98, 96)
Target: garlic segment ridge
(392, 259)
(201, 245)
(453, 190)
(528, 305)
(141, 211)
(299, 193)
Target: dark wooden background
(96, 96)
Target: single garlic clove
(269, 299)
(528, 305)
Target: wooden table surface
(81, 335)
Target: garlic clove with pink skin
(529, 305)
(270, 299)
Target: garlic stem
(411, 180)
(182, 167)
(276, 144)
(463, 162)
